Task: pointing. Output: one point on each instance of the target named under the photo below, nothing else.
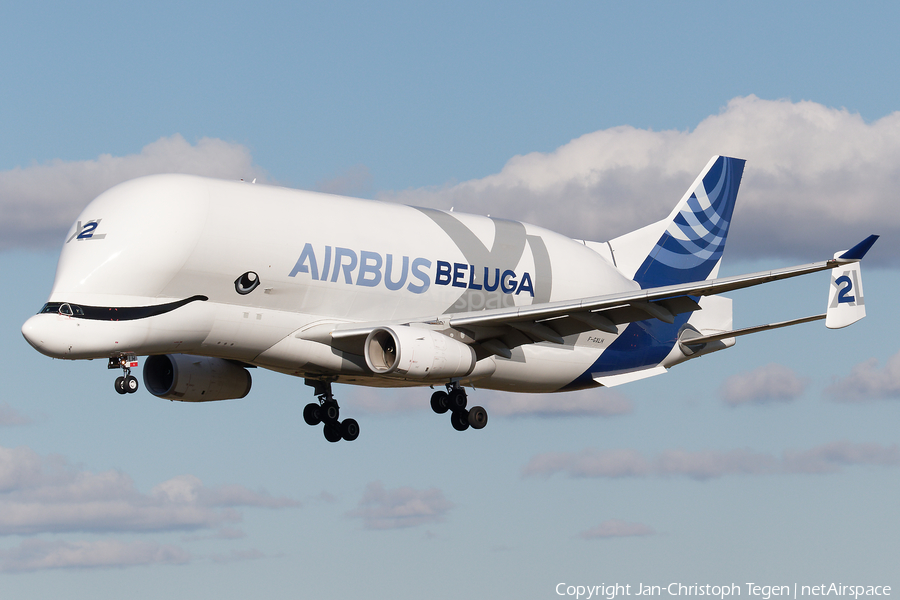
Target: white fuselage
(321, 260)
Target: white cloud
(48, 495)
(710, 464)
(828, 458)
(401, 507)
(33, 555)
(40, 202)
(354, 181)
(867, 382)
(225, 533)
(326, 497)
(616, 528)
(768, 384)
(815, 177)
(704, 464)
(591, 463)
(603, 402)
(10, 417)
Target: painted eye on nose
(246, 283)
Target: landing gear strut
(455, 400)
(328, 412)
(127, 383)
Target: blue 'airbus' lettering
(373, 268)
(370, 269)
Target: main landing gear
(454, 400)
(327, 412)
(127, 383)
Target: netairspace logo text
(765, 592)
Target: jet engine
(195, 378)
(414, 353)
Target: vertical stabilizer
(688, 244)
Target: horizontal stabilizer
(614, 380)
(705, 339)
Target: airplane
(209, 278)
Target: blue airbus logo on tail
(695, 238)
(688, 250)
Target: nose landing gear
(455, 400)
(127, 383)
(327, 412)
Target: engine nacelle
(415, 353)
(195, 378)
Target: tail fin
(688, 244)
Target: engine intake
(195, 378)
(414, 353)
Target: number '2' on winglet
(846, 303)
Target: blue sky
(591, 118)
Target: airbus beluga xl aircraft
(207, 278)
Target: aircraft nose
(43, 337)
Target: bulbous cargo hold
(417, 353)
(195, 378)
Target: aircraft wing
(652, 302)
(659, 302)
(548, 321)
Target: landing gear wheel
(311, 414)
(457, 399)
(327, 412)
(126, 384)
(349, 429)
(478, 417)
(332, 433)
(330, 411)
(439, 402)
(460, 420)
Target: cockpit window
(71, 310)
(115, 313)
(50, 307)
(63, 308)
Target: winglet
(846, 304)
(858, 251)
